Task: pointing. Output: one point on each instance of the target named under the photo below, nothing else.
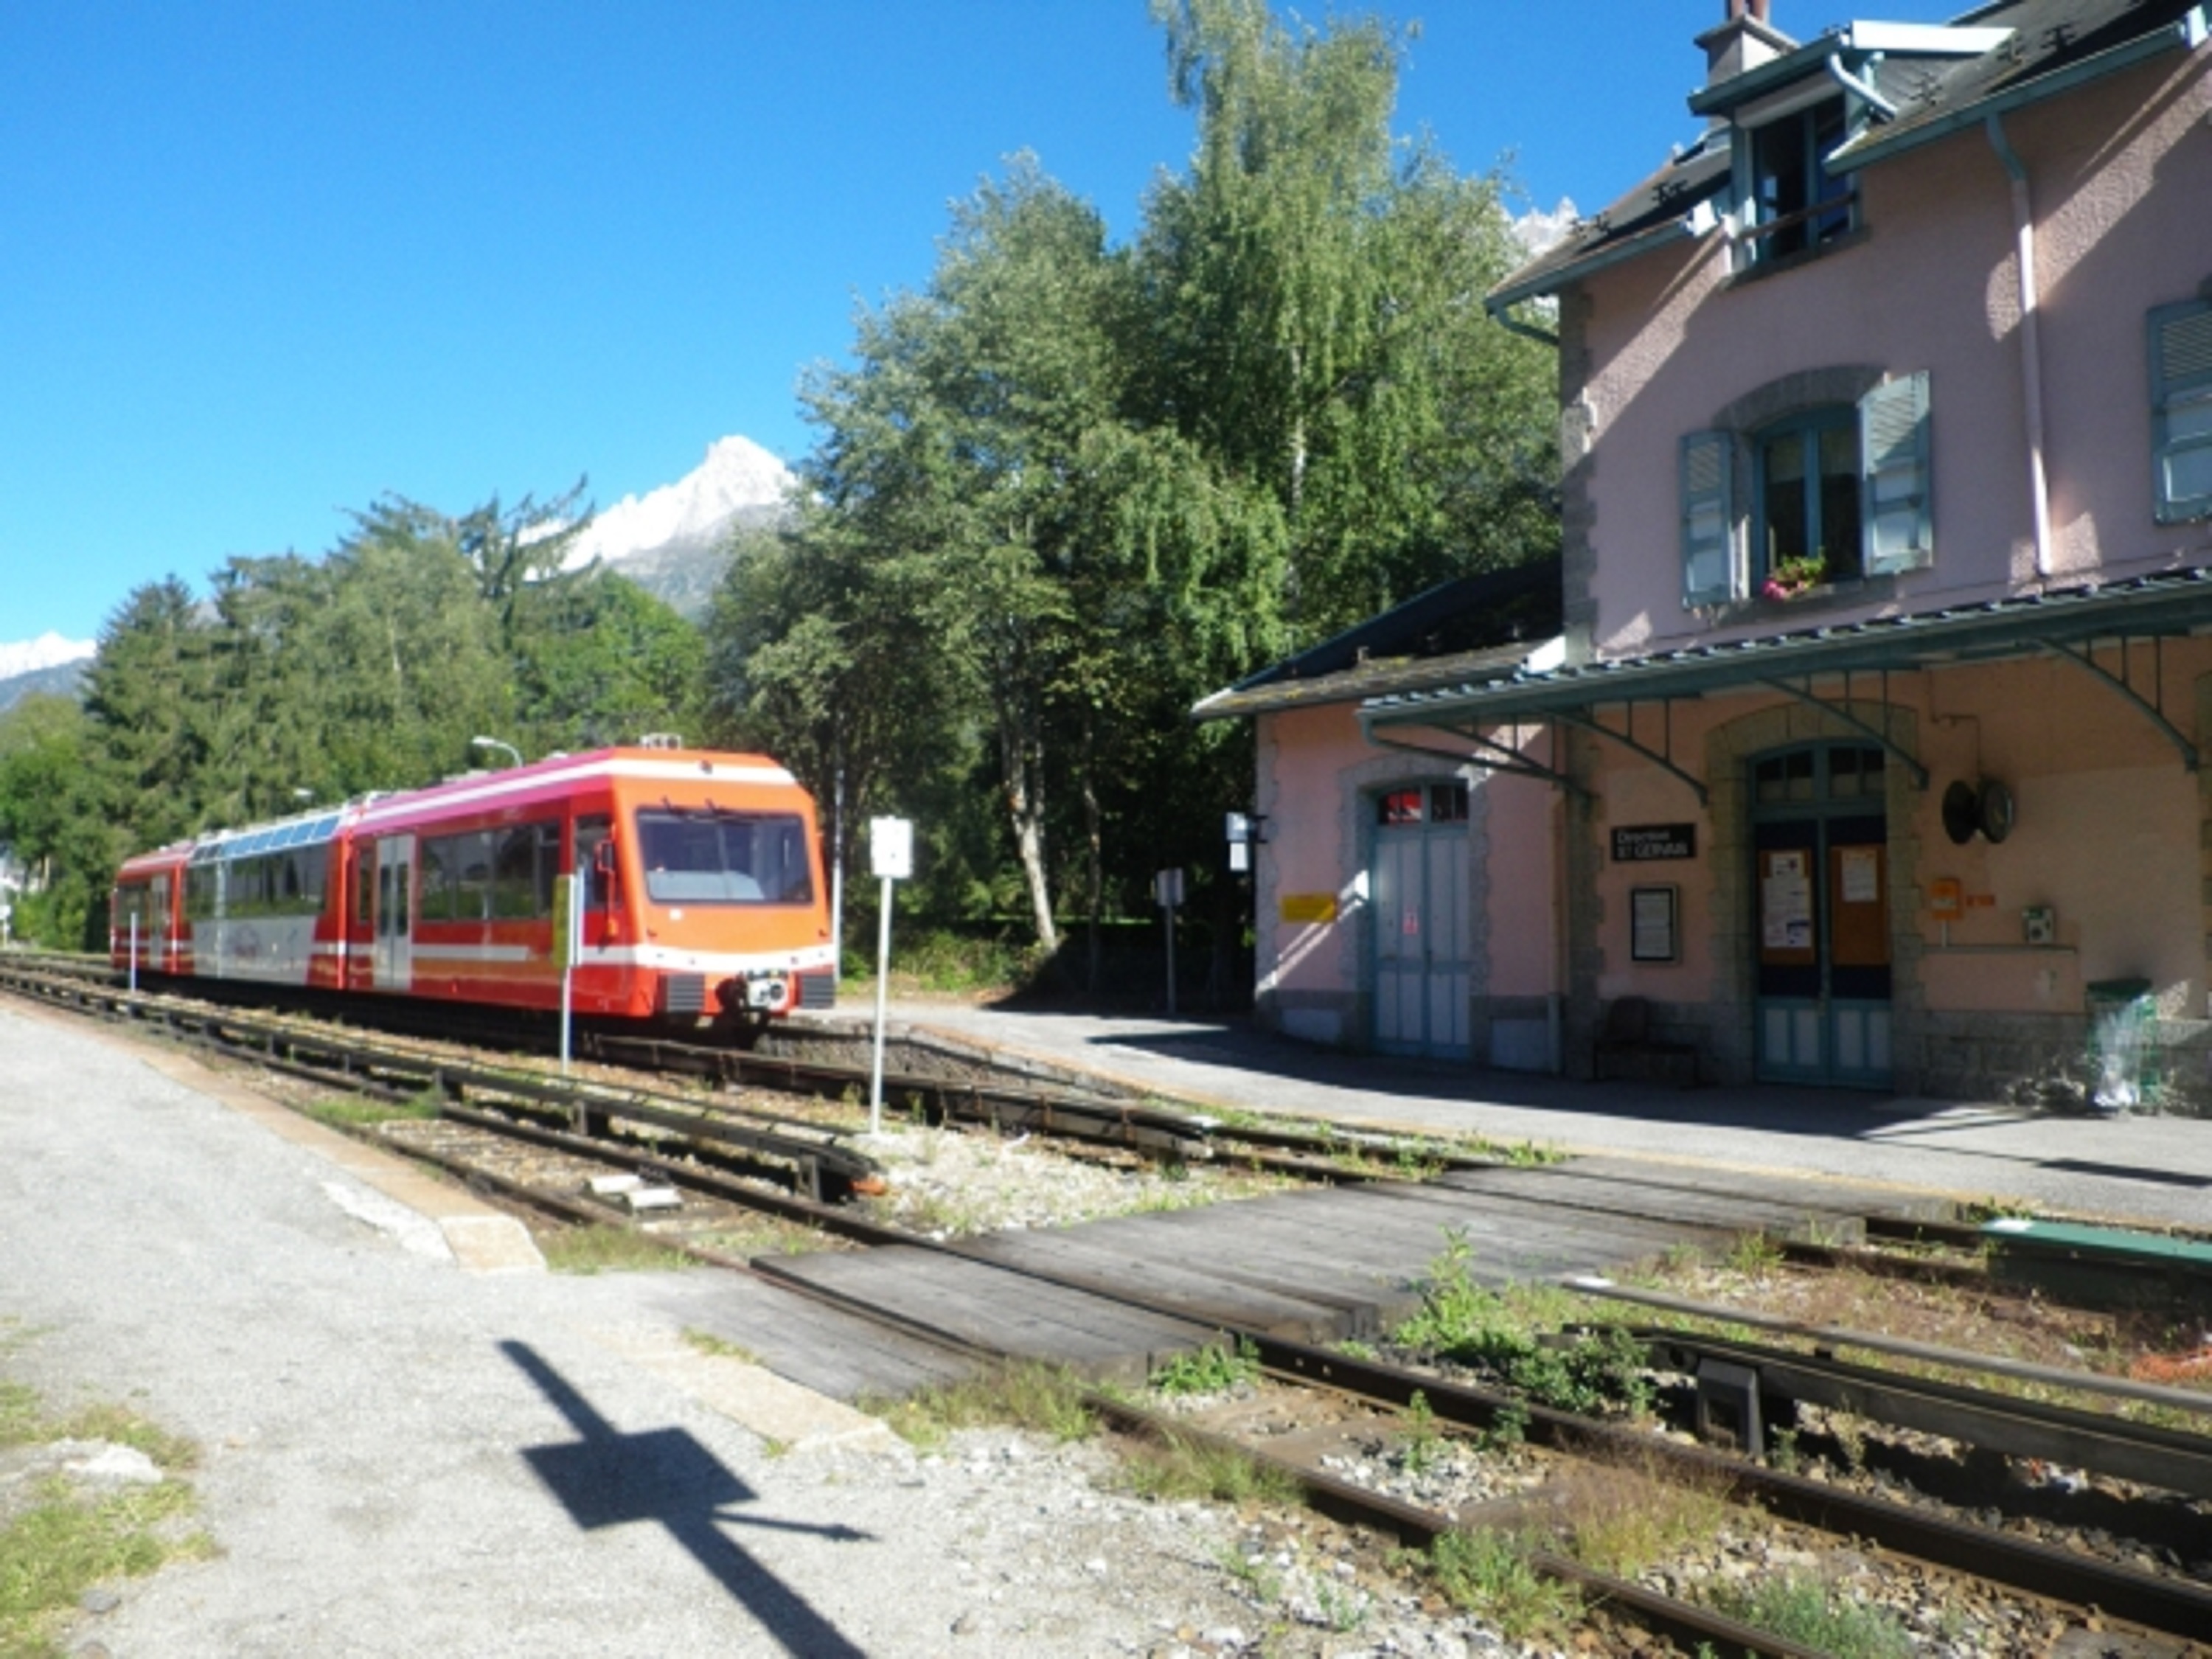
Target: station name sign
(1646, 843)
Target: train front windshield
(712, 855)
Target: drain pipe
(2030, 340)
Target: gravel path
(402, 1455)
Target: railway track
(594, 1155)
(1941, 1558)
(1147, 1129)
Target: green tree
(956, 486)
(1315, 295)
(52, 824)
(601, 661)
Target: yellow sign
(566, 916)
(1309, 907)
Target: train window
(364, 877)
(438, 861)
(523, 869)
(473, 866)
(591, 835)
(710, 855)
(546, 866)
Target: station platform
(2141, 1169)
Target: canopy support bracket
(1804, 695)
(2086, 660)
(1498, 757)
(1664, 761)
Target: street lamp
(493, 743)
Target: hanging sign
(1642, 843)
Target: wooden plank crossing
(1318, 1265)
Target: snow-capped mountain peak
(47, 651)
(737, 474)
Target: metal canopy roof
(2066, 622)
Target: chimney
(1744, 40)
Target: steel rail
(1151, 1131)
(1346, 1501)
(811, 1151)
(2187, 1400)
(2171, 1606)
(2166, 1458)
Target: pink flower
(1774, 590)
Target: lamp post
(493, 743)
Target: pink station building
(1862, 733)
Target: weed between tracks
(62, 1536)
(1039, 1398)
(608, 1249)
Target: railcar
(701, 890)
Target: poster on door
(1785, 905)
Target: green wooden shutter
(2181, 409)
(1900, 529)
(1708, 463)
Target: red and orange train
(702, 886)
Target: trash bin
(2122, 1061)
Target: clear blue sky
(264, 261)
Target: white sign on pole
(567, 945)
(891, 857)
(890, 848)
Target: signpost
(1167, 886)
(567, 945)
(891, 858)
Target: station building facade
(1870, 751)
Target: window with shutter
(2181, 409)
(1894, 441)
(1709, 576)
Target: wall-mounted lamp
(1243, 831)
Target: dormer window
(1791, 202)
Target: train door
(1821, 901)
(1424, 945)
(393, 954)
(162, 958)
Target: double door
(1423, 929)
(1821, 906)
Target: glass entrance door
(1821, 909)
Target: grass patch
(65, 1539)
(1493, 1574)
(1210, 1369)
(714, 1348)
(1753, 1254)
(1600, 1373)
(1184, 1467)
(1043, 1399)
(606, 1249)
(1807, 1611)
(1620, 1519)
(356, 1111)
